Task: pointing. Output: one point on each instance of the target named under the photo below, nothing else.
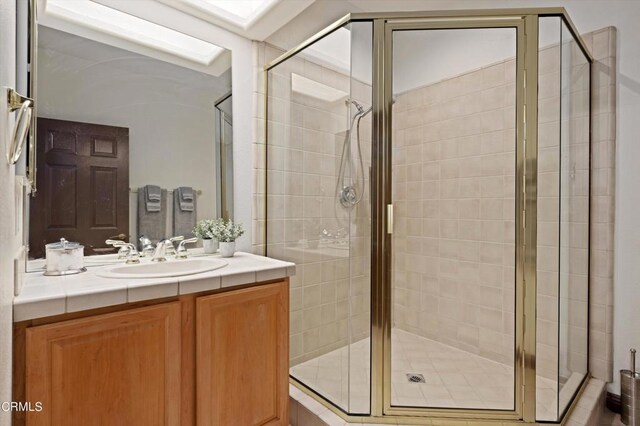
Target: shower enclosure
(429, 173)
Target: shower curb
(591, 405)
(306, 411)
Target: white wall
(421, 58)
(10, 241)
(243, 80)
(588, 15)
(168, 109)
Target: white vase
(210, 246)
(227, 249)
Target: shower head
(361, 110)
(360, 107)
(357, 104)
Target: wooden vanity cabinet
(118, 368)
(205, 359)
(242, 357)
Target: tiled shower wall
(603, 140)
(563, 211)
(548, 211)
(454, 186)
(573, 196)
(562, 220)
(602, 44)
(447, 234)
(454, 157)
(329, 243)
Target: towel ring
(24, 106)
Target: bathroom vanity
(207, 349)
(173, 342)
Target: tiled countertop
(43, 296)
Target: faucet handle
(181, 253)
(171, 249)
(188, 241)
(124, 247)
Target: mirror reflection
(224, 146)
(128, 145)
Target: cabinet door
(114, 369)
(242, 357)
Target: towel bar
(169, 191)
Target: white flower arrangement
(207, 229)
(227, 231)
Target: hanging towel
(153, 224)
(184, 220)
(185, 198)
(153, 197)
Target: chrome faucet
(165, 248)
(171, 249)
(127, 251)
(124, 249)
(159, 255)
(181, 253)
(134, 255)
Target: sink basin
(171, 268)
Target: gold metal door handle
(117, 237)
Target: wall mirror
(133, 132)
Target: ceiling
(194, 33)
(149, 27)
(253, 19)
(67, 54)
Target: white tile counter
(43, 296)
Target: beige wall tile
(453, 178)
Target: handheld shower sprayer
(347, 189)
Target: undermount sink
(171, 268)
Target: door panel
(84, 173)
(242, 356)
(453, 161)
(62, 187)
(115, 369)
(104, 192)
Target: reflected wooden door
(83, 196)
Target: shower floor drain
(415, 378)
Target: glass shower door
(318, 209)
(453, 330)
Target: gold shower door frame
(525, 22)
(382, 250)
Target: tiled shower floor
(453, 378)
